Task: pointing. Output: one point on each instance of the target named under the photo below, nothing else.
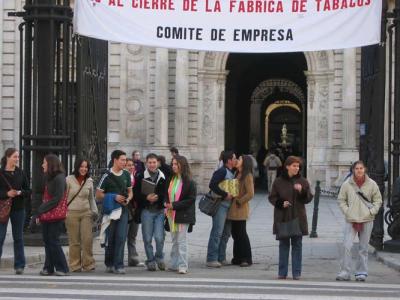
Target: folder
(148, 187)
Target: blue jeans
(284, 247)
(17, 225)
(55, 258)
(116, 236)
(153, 226)
(220, 233)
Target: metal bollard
(313, 233)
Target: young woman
(133, 256)
(239, 212)
(82, 209)
(359, 199)
(51, 213)
(180, 212)
(290, 192)
(14, 184)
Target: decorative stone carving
(267, 88)
(209, 59)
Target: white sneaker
(213, 264)
(343, 276)
(361, 277)
(182, 271)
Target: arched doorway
(264, 92)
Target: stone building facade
(166, 97)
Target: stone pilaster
(181, 98)
(349, 104)
(161, 98)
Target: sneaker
(245, 264)
(224, 263)
(133, 262)
(342, 277)
(120, 271)
(60, 273)
(213, 264)
(44, 272)
(281, 277)
(161, 266)
(296, 277)
(19, 271)
(182, 271)
(109, 270)
(361, 277)
(151, 266)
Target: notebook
(148, 187)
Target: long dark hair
(247, 167)
(7, 154)
(184, 166)
(77, 166)
(54, 166)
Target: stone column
(161, 98)
(349, 104)
(181, 98)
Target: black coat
(140, 198)
(185, 207)
(19, 182)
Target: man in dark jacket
(220, 231)
(152, 215)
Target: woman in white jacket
(359, 199)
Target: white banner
(233, 25)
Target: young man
(116, 186)
(152, 217)
(220, 231)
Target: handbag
(209, 204)
(57, 213)
(5, 205)
(285, 230)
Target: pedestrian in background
(180, 212)
(14, 184)
(82, 210)
(139, 165)
(240, 210)
(133, 227)
(290, 192)
(271, 163)
(51, 214)
(359, 199)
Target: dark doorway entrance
(257, 83)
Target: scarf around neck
(174, 193)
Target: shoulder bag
(57, 213)
(285, 230)
(80, 189)
(209, 204)
(5, 205)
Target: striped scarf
(174, 193)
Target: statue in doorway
(284, 137)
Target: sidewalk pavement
(324, 248)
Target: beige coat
(84, 201)
(240, 209)
(354, 209)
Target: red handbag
(5, 209)
(5, 205)
(57, 213)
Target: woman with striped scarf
(180, 212)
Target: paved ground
(320, 264)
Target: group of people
(161, 198)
